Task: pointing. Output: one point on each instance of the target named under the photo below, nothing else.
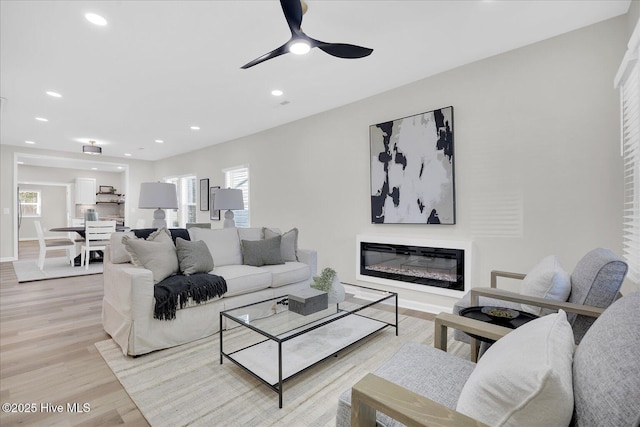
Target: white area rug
(187, 385)
(54, 268)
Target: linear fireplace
(441, 267)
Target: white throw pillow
(547, 279)
(223, 243)
(118, 254)
(251, 233)
(525, 378)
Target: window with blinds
(627, 80)
(238, 177)
(186, 212)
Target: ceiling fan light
(299, 47)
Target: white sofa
(128, 303)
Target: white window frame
(240, 177)
(37, 204)
(181, 215)
(628, 81)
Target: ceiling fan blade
(274, 53)
(293, 13)
(343, 50)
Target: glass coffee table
(274, 344)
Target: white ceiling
(160, 67)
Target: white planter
(336, 293)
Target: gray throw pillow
(193, 257)
(157, 253)
(288, 245)
(262, 252)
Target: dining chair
(97, 235)
(77, 222)
(53, 244)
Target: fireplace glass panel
(439, 267)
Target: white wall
(53, 211)
(537, 127)
(139, 171)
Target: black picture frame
(214, 215)
(204, 194)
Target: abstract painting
(412, 170)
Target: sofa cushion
(525, 378)
(193, 257)
(117, 252)
(143, 233)
(251, 233)
(223, 243)
(288, 273)
(261, 252)
(547, 279)
(157, 253)
(289, 243)
(242, 279)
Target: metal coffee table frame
(300, 330)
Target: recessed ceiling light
(20, 163)
(277, 92)
(120, 167)
(159, 141)
(54, 94)
(127, 154)
(195, 127)
(29, 142)
(300, 47)
(94, 169)
(42, 119)
(96, 19)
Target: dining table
(94, 256)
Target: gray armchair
(595, 282)
(421, 385)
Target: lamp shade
(158, 195)
(228, 198)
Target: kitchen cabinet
(85, 191)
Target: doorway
(50, 172)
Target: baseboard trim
(8, 259)
(412, 305)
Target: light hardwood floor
(47, 353)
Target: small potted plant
(328, 282)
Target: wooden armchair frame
(373, 393)
(493, 292)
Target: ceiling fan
(300, 43)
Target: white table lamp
(158, 196)
(229, 199)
